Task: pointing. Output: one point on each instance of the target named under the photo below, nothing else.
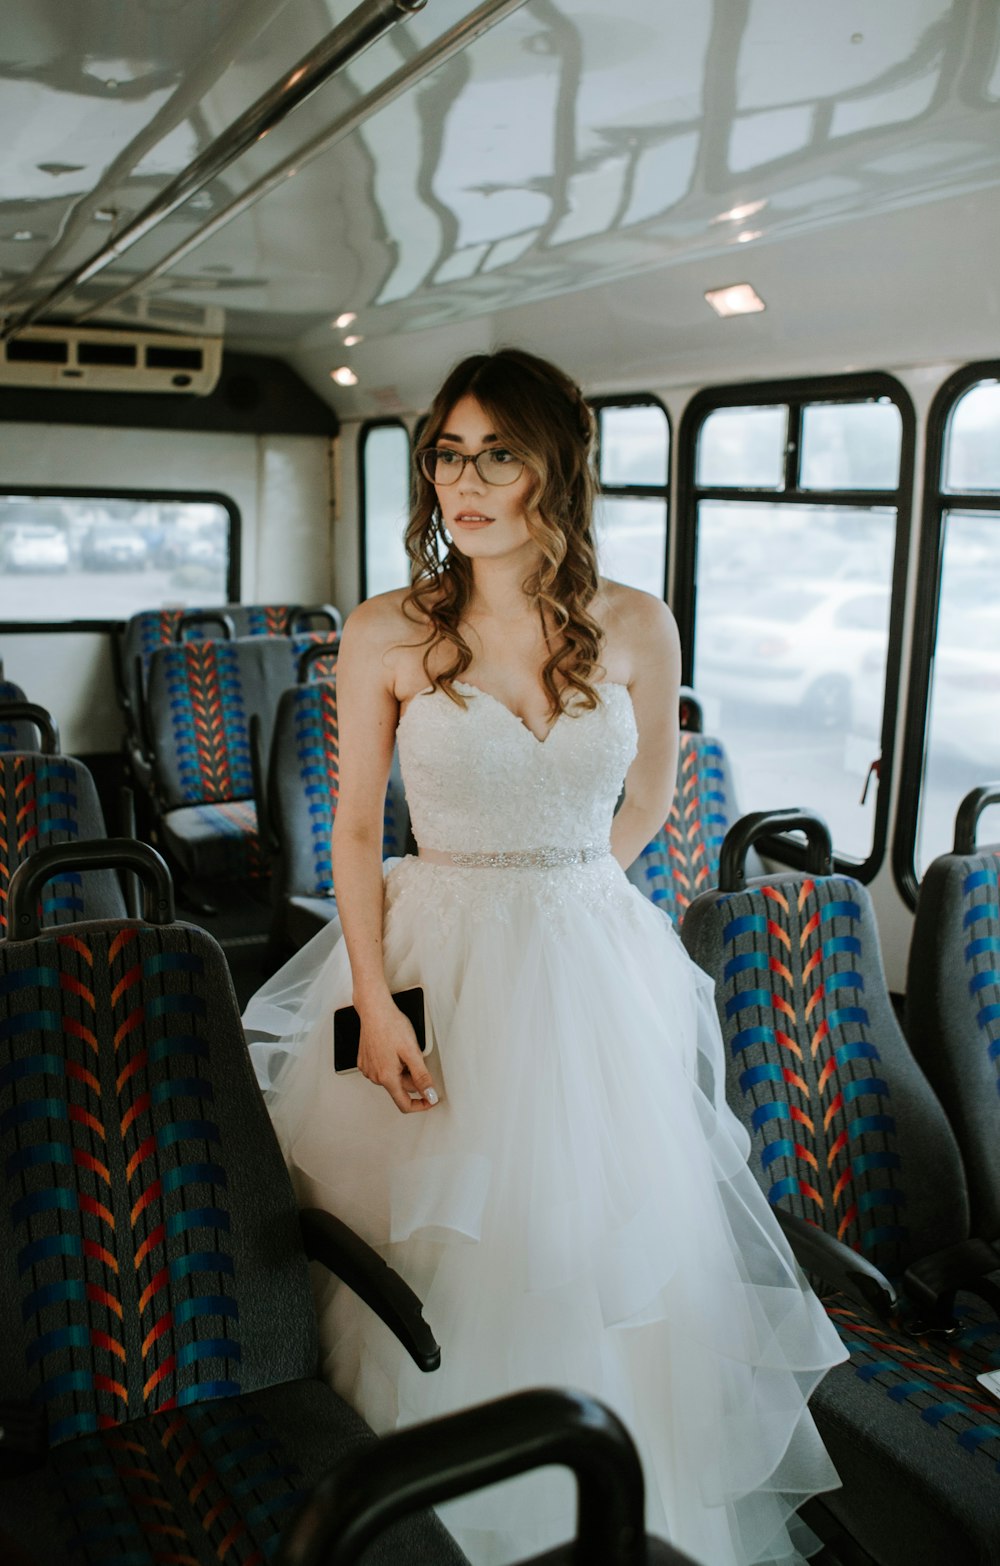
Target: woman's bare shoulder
(381, 621)
(629, 615)
(387, 641)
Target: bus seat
(862, 1168)
(303, 781)
(24, 725)
(465, 1451)
(201, 698)
(159, 1382)
(683, 858)
(144, 632)
(47, 799)
(952, 1015)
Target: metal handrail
(486, 16)
(346, 41)
(244, 27)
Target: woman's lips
(472, 519)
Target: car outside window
(789, 551)
(75, 557)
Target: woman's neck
(498, 589)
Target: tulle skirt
(576, 1211)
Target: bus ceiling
(367, 192)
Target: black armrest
(932, 1282)
(353, 1260)
(828, 1259)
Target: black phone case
(347, 1028)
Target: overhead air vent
(84, 359)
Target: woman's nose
(471, 479)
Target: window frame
(930, 556)
(795, 394)
(389, 421)
(168, 497)
(638, 491)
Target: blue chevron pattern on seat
(846, 1133)
(953, 1010)
(149, 1241)
(45, 800)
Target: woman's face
(484, 521)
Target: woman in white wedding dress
(560, 1180)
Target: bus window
(633, 437)
(101, 557)
(794, 514)
(385, 505)
(962, 678)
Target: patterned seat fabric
(683, 858)
(202, 696)
(953, 1011)
(149, 1245)
(847, 1133)
(303, 783)
(52, 799)
(154, 628)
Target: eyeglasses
(495, 466)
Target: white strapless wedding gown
(577, 1210)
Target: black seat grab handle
(107, 853)
(373, 1487)
(312, 655)
(299, 615)
(748, 830)
(206, 617)
(41, 717)
(969, 811)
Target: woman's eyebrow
(460, 439)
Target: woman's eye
(500, 457)
(447, 459)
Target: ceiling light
(350, 341)
(737, 299)
(344, 376)
(740, 214)
(22, 234)
(347, 319)
(105, 214)
(748, 234)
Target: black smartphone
(347, 1028)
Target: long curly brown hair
(539, 415)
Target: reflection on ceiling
(570, 147)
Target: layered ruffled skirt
(576, 1211)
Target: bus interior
(242, 242)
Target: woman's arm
(367, 715)
(648, 634)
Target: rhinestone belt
(516, 858)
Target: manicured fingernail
(430, 1096)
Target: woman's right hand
(390, 1056)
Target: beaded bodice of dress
(478, 781)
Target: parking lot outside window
(791, 545)
(953, 718)
(385, 505)
(633, 461)
(83, 556)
